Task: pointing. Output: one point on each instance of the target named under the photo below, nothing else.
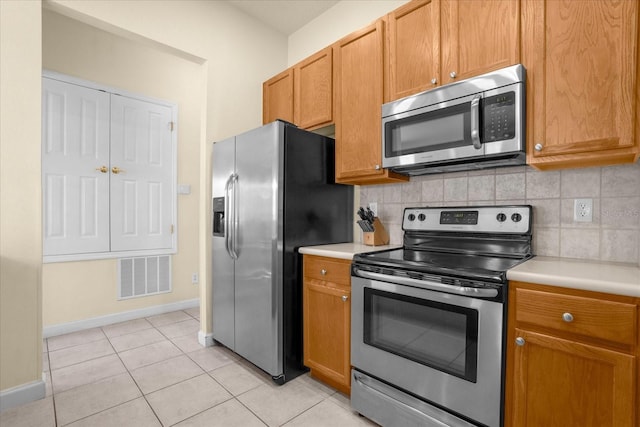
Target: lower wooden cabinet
(327, 320)
(571, 358)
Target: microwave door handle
(475, 122)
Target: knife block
(378, 237)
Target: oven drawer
(595, 318)
(328, 269)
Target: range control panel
(515, 219)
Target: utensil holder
(378, 237)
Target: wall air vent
(143, 276)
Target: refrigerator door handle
(228, 215)
(234, 232)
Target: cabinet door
(75, 169)
(565, 383)
(313, 94)
(478, 36)
(358, 82)
(413, 48)
(277, 98)
(327, 331)
(142, 175)
(581, 65)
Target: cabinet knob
(538, 147)
(567, 317)
(520, 341)
(453, 74)
(377, 167)
(434, 81)
(323, 272)
(345, 298)
(103, 169)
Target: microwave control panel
(499, 117)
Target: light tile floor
(153, 372)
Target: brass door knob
(117, 170)
(103, 169)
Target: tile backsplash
(613, 235)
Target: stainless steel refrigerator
(273, 191)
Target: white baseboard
(19, 395)
(205, 340)
(94, 322)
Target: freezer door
(258, 308)
(223, 168)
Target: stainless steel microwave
(472, 124)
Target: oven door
(445, 349)
(444, 131)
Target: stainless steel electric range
(428, 320)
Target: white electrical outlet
(583, 210)
(374, 208)
(194, 278)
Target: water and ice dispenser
(218, 216)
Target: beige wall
(342, 19)
(20, 223)
(237, 54)
(232, 53)
(79, 290)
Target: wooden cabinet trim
(624, 359)
(327, 320)
(580, 140)
(277, 97)
(622, 384)
(592, 318)
(422, 49)
(313, 106)
(335, 270)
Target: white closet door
(142, 194)
(75, 146)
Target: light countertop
(612, 278)
(343, 250)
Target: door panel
(258, 267)
(142, 194)
(223, 166)
(75, 145)
(591, 386)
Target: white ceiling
(286, 16)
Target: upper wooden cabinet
(582, 90)
(435, 42)
(413, 48)
(358, 82)
(277, 97)
(313, 90)
(478, 37)
(302, 94)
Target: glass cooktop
(471, 266)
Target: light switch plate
(184, 189)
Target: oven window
(434, 130)
(442, 336)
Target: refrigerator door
(258, 292)
(222, 262)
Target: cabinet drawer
(607, 320)
(328, 269)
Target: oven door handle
(475, 122)
(434, 286)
